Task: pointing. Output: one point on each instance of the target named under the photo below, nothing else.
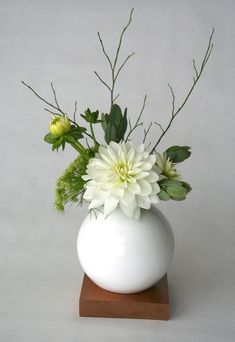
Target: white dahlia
(122, 175)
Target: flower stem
(79, 148)
(93, 134)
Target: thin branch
(194, 67)
(195, 80)
(173, 100)
(88, 144)
(55, 97)
(102, 81)
(146, 132)
(116, 97)
(53, 113)
(128, 57)
(137, 124)
(113, 64)
(159, 125)
(120, 40)
(75, 111)
(105, 53)
(61, 113)
(42, 99)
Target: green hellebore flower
(59, 125)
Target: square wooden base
(150, 304)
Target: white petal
(147, 166)
(143, 202)
(127, 198)
(141, 175)
(129, 210)
(134, 188)
(137, 214)
(152, 177)
(117, 192)
(146, 188)
(140, 149)
(154, 199)
(109, 205)
(152, 159)
(95, 203)
(155, 188)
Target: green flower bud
(59, 125)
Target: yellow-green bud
(59, 125)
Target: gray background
(43, 41)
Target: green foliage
(115, 124)
(173, 189)
(110, 133)
(178, 154)
(163, 195)
(71, 137)
(91, 117)
(70, 186)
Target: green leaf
(116, 115)
(105, 120)
(91, 117)
(169, 182)
(178, 192)
(123, 125)
(178, 198)
(76, 132)
(57, 144)
(178, 154)
(186, 186)
(110, 133)
(51, 138)
(69, 138)
(163, 195)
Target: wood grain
(150, 304)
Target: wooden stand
(149, 304)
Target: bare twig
(102, 81)
(59, 114)
(104, 51)
(118, 72)
(41, 98)
(122, 34)
(137, 124)
(114, 73)
(116, 97)
(55, 97)
(146, 132)
(198, 73)
(75, 111)
(173, 100)
(159, 125)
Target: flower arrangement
(115, 173)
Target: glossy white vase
(124, 255)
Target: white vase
(125, 255)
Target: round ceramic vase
(125, 255)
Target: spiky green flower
(166, 166)
(70, 186)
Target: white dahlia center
(122, 171)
